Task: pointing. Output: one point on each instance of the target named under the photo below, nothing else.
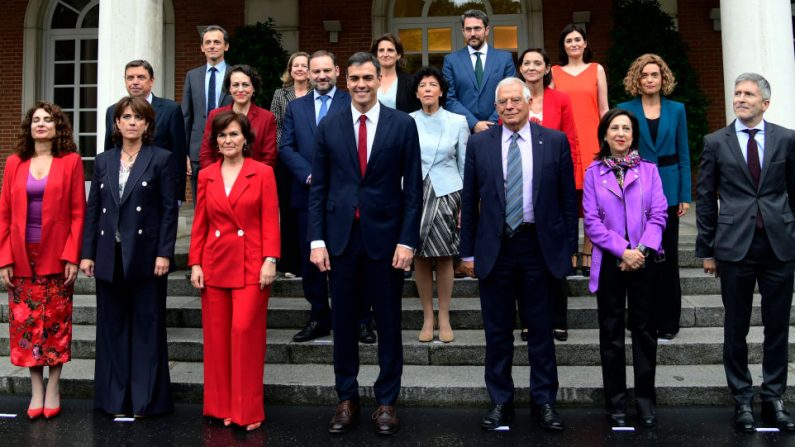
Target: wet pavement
(80, 425)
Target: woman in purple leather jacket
(624, 215)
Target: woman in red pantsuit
(41, 226)
(242, 81)
(236, 223)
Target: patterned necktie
(514, 210)
(211, 90)
(323, 108)
(478, 68)
(752, 156)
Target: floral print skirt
(40, 318)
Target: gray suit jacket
(194, 108)
(725, 233)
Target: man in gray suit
(200, 94)
(749, 167)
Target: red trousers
(234, 352)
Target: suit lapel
(768, 150)
(645, 134)
(494, 152)
(215, 189)
(112, 168)
(730, 137)
(198, 83)
(537, 142)
(466, 60)
(241, 182)
(488, 68)
(664, 127)
(349, 140)
(609, 180)
(138, 168)
(382, 131)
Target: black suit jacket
(146, 215)
(169, 135)
(725, 233)
(554, 199)
(406, 98)
(194, 108)
(389, 196)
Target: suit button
(140, 231)
(138, 208)
(104, 210)
(101, 185)
(217, 233)
(101, 232)
(144, 183)
(240, 233)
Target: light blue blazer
(443, 144)
(463, 95)
(671, 140)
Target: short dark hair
(324, 53)
(140, 63)
(425, 72)
(395, 40)
(475, 14)
(363, 57)
(563, 58)
(604, 123)
(247, 70)
(222, 121)
(140, 106)
(215, 28)
(62, 144)
(545, 56)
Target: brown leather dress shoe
(386, 421)
(347, 411)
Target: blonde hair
(632, 79)
(286, 78)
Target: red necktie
(362, 150)
(752, 156)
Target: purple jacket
(610, 213)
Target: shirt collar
(150, 97)
(371, 114)
(330, 93)
(220, 66)
(483, 50)
(524, 133)
(739, 126)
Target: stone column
(128, 30)
(757, 37)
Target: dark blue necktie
(211, 90)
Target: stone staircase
(435, 374)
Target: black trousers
(668, 291)
(519, 272)
(353, 276)
(131, 373)
(288, 222)
(615, 289)
(737, 281)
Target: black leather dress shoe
(311, 331)
(498, 415)
(744, 418)
(667, 335)
(547, 417)
(366, 334)
(617, 419)
(561, 334)
(774, 413)
(646, 413)
(523, 334)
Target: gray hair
(475, 14)
(513, 80)
(757, 79)
(215, 28)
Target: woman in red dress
(233, 253)
(41, 226)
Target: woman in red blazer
(236, 223)
(241, 82)
(552, 109)
(41, 226)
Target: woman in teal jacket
(663, 141)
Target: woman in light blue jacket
(443, 137)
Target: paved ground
(79, 425)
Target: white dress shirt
(483, 52)
(743, 137)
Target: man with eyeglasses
(474, 71)
(139, 78)
(518, 225)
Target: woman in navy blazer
(130, 231)
(663, 141)
(41, 225)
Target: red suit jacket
(62, 213)
(558, 116)
(239, 230)
(263, 126)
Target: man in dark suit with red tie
(748, 168)
(518, 226)
(364, 215)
